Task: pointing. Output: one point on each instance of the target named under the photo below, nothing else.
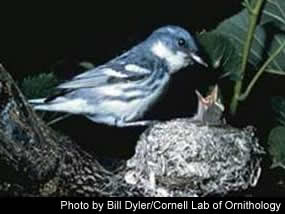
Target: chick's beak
(198, 59)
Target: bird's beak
(198, 59)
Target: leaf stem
(253, 11)
(261, 70)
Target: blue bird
(119, 92)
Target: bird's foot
(136, 123)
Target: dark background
(35, 36)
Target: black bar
(146, 205)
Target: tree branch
(34, 160)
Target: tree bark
(36, 161)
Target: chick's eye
(181, 42)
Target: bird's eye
(181, 42)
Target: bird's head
(176, 46)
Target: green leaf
(276, 142)
(222, 54)
(86, 65)
(269, 35)
(275, 12)
(39, 86)
(278, 105)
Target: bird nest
(183, 158)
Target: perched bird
(119, 92)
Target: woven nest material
(184, 158)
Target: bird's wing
(107, 74)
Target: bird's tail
(39, 104)
(35, 102)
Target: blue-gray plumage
(121, 91)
